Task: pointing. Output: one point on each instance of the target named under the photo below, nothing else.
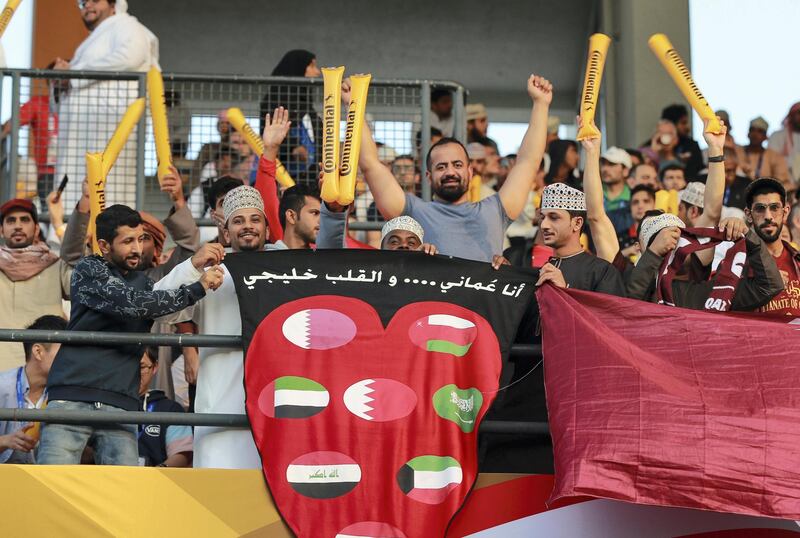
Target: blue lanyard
(20, 394)
(149, 409)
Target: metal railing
(88, 106)
(536, 429)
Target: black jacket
(105, 300)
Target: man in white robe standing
(220, 379)
(91, 109)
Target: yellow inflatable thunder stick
(595, 62)
(124, 130)
(331, 111)
(238, 122)
(158, 113)
(97, 193)
(8, 12)
(475, 189)
(352, 138)
(672, 62)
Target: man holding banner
(220, 387)
(456, 226)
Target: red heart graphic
(333, 461)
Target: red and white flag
(672, 407)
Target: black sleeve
(609, 280)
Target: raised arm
(514, 192)
(715, 184)
(389, 196)
(603, 234)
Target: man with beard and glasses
(109, 295)
(766, 211)
(456, 226)
(220, 378)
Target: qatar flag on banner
(667, 406)
(367, 374)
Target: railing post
(425, 138)
(140, 148)
(13, 151)
(459, 116)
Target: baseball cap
(617, 156)
(19, 204)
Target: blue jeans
(63, 444)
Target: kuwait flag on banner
(429, 479)
(367, 376)
(666, 406)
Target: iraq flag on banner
(367, 374)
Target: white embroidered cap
(652, 225)
(403, 223)
(562, 196)
(244, 197)
(693, 194)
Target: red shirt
(787, 302)
(44, 130)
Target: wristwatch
(717, 159)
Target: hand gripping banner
(367, 375)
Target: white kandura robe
(220, 381)
(90, 111)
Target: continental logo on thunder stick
(443, 333)
(458, 405)
(429, 479)
(380, 400)
(591, 79)
(673, 56)
(370, 529)
(293, 397)
(5, 17)
(348, 139)
(329, 165)
(323, 475)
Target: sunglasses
(761, 209)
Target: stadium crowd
(606, 221)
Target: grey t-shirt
(473, 231)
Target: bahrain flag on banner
(367, 374)
(674, 407)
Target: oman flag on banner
(367, 374)
(674, 407)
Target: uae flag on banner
(673, 407)
(367, 374)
